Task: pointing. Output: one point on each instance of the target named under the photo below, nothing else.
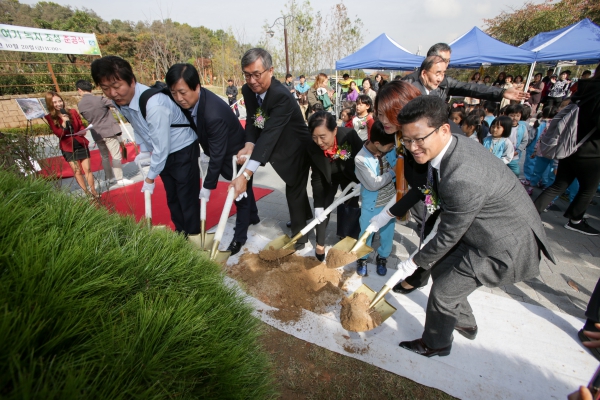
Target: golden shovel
(348, 250)
(285, 242)
(216, 254)
(400, 274)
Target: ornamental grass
(95, 306)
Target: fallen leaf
(573, 285)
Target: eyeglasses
(419, 142)
(255, 75)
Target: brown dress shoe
(419, 347)
(470, 332)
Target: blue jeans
(543, 171)
(529, 163)
(514, 167)
(386, 233)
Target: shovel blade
(221, 257)
(348, 243)
(208, 241)
(278, 243)
(384, 308)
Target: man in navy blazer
(221, 136)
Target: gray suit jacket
(486, 207)
(96, 110)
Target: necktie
(259, 99)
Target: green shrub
(36, 130)
(95, 306)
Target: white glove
(204, 194)
(143, 159)
(405, 269)
(320, 214)
(241, 196)
(378, 221)
(148, 187)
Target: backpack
(560, 139)
(161, 87)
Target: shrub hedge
(95, 306)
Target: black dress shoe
(255, 221)
(470, 332)
(402, 290)
(235, 247)
(288, 224)
(320, 257)
(419, 347)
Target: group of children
(512, 135)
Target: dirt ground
(306, 371)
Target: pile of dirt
(290, 284)
(273, 255)
(337, 258)
(356, 315)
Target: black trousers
(298, 204)
(420, 277)
(586, 171)
(353, 202)
(181, 177)
(247, 212)
(593, 309)
(235, 108)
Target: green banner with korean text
(20, 38)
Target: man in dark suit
(489, 231)
(275, 133)
(221, 136)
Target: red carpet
(129, 200)
(59, 168)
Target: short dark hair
(84, 85)
(550, 70)
(254, 54)
(368, 80)
(365, 99)
(436, 48)
(288, 76)
(112, 68)
(514, 109)
(318, 106)
(539, 73)
(525, 112)
(378, 134)
(432, 108)
(229, 80)
(430, 61)
(320, 118)
(187, 72)
(505, 123)
(302, 76)
(490, 106)
(345, 76)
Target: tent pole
(337, 95)
(529, 76)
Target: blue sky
(410, 23)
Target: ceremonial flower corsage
(260, 118)
(343, 152)
(432, 201)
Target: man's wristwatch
(246, 175)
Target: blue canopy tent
(382, 53)
(578, 42)
(475, 48)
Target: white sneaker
(124, 182)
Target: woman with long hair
(73, 147)
(318, 93)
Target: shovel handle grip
(334, 205)
(148, 205)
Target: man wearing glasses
(488, 233)
(275, 133)
(431, 79)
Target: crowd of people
(476, 220)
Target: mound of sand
(337, 258)
(356, 315)
(289, 284)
